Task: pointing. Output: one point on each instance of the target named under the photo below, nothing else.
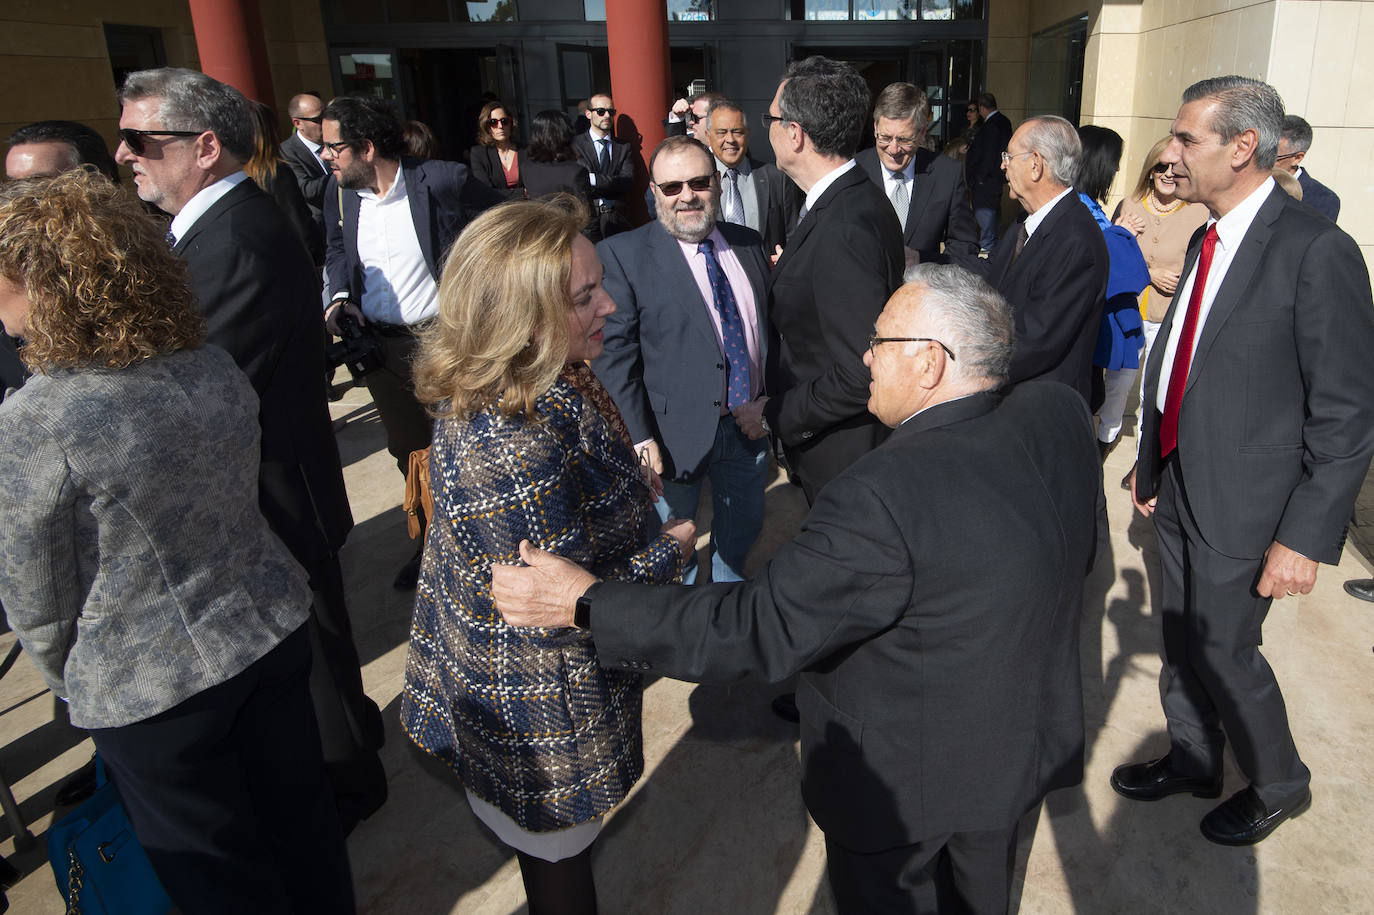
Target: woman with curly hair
(528, 446)
(136, 568)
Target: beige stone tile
(43, 39)
(1197, 42)
(1117, 62)
(1359, 111)
(1333, 60)
(1221, 55)
(1007, 79)
(1171, 60)
(1290, 66)
(1352, 177)
(1254, 40)
(1009, 48)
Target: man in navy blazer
(388, 223)
(668, 360)
(1256, 434)
(982, 166)
(926, 189)
(1294, 143)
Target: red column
(637, 39)
(231, 45)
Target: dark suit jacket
(779, 201)
(542, 178)
(662, 362)
(485, 162)
(442, 201)
(254, 283)
(12, 371)
(934, 697)
(1277, 423)
(839, 267)
(939, 211)
(983, 164)
(1057, 289)
(1318, 196)
(310, 175)
(618, 182)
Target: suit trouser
(226, 792)
(737, 466)
(988, 219)
(1214, 683)
(408, 427)
(957, 872)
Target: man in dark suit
(384, 251)
(926, 189)
(302, 152)
(685, 118)
(983, 169)
(1055, 271)
(611, 167)
(1294, 143)
(939, 703)
(687, 343)
(753, 193)
(841, 264)
(1256, 435)
(253, 279)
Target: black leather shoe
(1244, 819)
(785, 707)
(1156, 779)
(77, 787)
(1363, 588)
(410, 573)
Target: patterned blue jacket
(527, 718)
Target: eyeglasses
(1162, 167)
(770, 119)
(315, 120)
(693, 117)
(874, 341)
(1007, 157)
(134, 138)
(335, 148)
(902, 142)
(498, 122)
(602, 112)
(1289, 155)
(698, 184)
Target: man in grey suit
(302, 152)
(938, 703)
(687, 344)
(1257, 433)
(752, 193)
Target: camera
(357, 348)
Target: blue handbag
(99, 865)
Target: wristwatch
(582, 612)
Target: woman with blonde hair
(137, 569)
(1162, 224)
(496, 160)
(528, 446)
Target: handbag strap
(74, 874)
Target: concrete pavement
(717, 823)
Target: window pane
(827, 9)
(418, 10)
(490, 11)
(690, 10)
(594, 10)
(885, 9)
(370, 74)
(951, 9)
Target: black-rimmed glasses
(874, 341)
(770, 119)
(334, 148)
(134, 138)
(1289, 155)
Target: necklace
(1153, 203)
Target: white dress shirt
(1033, 220)
(890, 183)
(821, 186)
(397, 285)
(599, 140)
(205, 198)
(1231, 230)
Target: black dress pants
(961, 872)
(227, 794)
(408, 427)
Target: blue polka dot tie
(731, 329)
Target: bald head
(304, 110)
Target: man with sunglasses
(302, 152)
(939, 702)
(185, 137)
(611, 167)
(687, 343)
(686, 117)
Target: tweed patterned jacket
(135, 565)
(527, 718)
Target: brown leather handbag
(418, 493)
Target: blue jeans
(987, 219)
(737, 467)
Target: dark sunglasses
(698, 184)
(498, 122)
(1161, 167)
(134, 138)
(694, 117)
(315, 120)
(602, 112)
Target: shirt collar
(1033, 220)
(1232, 227)
(909, 171)
(821, 186)
(396, 191)
(742, 169)
(205, 198)
(308, 144)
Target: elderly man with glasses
(938, 703)
(926, 189)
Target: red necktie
(1183, 356)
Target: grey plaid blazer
(135, 565)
